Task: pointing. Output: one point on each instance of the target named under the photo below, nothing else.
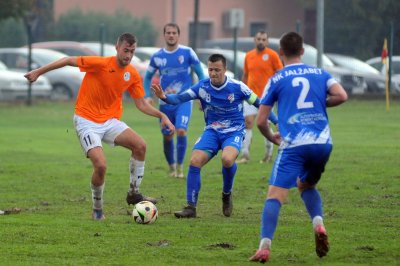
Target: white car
(376, 62)
(65, 81)
(14, 86)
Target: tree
(14, 8)
(358, 27)
(78, 26)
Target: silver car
(13, 86)
(353, 83)
(65, 81)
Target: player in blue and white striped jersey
(302, 94)
(174, 63)
(221, 99)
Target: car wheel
(60, 92)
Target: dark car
(353, 83)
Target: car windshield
(109, 50)
(310, 57)
(353, 64)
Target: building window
(257, 26)
(203, 33)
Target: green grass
(44, 172)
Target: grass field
(43, 172)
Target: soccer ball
(145, 212)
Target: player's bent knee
(227, 161)
(181, 132)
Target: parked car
(13, 86)
(353, 83)
(374, 79)
(376, 62)
(70, 48)
(108, 50)
(65, 81)
(204, 54)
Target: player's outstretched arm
(148, 109)
(65, 61)
(171, 98)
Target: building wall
(280, 16)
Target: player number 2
(305, 88)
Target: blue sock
(169, 151)
(181, 145)
(228, 175)
(269, 218)
(193, 185)
(313, 202)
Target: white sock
(97, 196)
(317, 220)
(136, 169)
(247, 142)
(265, 243)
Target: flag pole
(384, 56)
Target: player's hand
(157, 90)
(277, 138)
(32, 76)
(167, 125)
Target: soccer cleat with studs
(243, 160)
(187, 212)
(266, 159)
(98, 215)
(179, 171)
(321, 241)
(262, 255)
(227, 205)
(136, 197)
(172, 170)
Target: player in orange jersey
(259, 65)
(98, 111)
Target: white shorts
(249, 110)
(91, 134)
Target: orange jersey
(102, 88)
(259, 67)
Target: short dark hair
(260, 31)
(217, 57)
(127, 37)
(174, 25)
(291, 44)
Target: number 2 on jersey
(305, 88)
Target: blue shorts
(306, 162)
(212, 141)
(179, 115)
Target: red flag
(384, 53)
